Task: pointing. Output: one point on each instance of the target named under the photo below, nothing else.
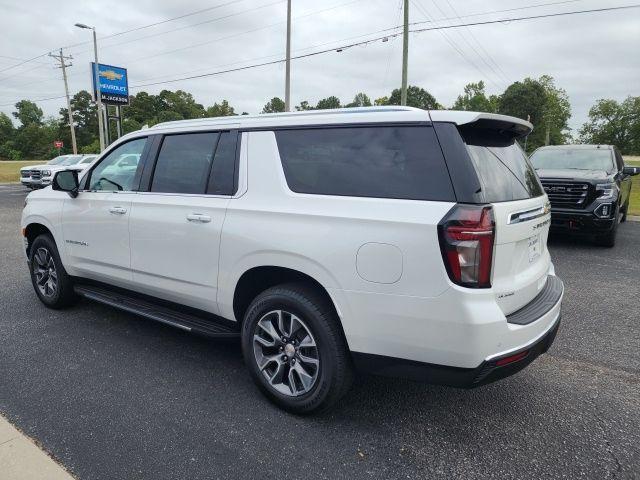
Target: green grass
(634, 200)
(10, 170)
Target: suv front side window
(117, 171)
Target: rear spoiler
(502, 125)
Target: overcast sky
(591, 56)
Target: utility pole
(63, 65)
(405, 54)
(287, 81)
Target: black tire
(334, 374)
(608, 239)
(44, 248)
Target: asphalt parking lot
(111, 395)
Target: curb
(22, 458)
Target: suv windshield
(573, 159)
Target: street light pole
(97, 84)
(98, 96)
(287, 81)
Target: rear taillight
(466, 237)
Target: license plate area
(534, 246)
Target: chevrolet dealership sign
(114, 84)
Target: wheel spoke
(303, 375)
(309, 360)
(283, 330)
(268, 359)
(278, 375)
(39, 257)
(307, 342)
(266, 325)
(264, 341)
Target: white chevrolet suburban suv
(389, 240)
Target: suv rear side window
(504, 170)
(403, 162)
(222, 178)
(184, 163)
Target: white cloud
(591, 56)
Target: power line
(453, 44)
(143, 27)
(23, 61)
(365, 42)
(224, 17)
(128, 31)
(479, 43)
(368, 41)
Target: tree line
(540, 101)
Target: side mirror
(631, 170)
(66, 181)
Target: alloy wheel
(45, 272)
(286, 353)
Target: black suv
(588, 187)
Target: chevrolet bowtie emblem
(111, 75)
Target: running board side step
(204, 325)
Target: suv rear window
(503, 168)
(403, 162)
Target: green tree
(169, 116)
(274, 105)
(416, 97)
(526, 100)
(614, 123)
(27, 113)
(143, 109)
(85, 119)
(543, 104)
(328, 103)
(7, 129)
(381, 101)
(222, 109)
(304, 105)
(556, 113)
(475, 99)
(180, 102)
(360, 100)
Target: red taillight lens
(466, 237)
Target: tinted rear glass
(505, 173)
(403, 162)
(573, 159)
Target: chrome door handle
(118, 210)
(198, 218)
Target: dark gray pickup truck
(588, 187)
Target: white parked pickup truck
(40, 176)
(390, 240)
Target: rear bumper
(492, 369)
(579, 222)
